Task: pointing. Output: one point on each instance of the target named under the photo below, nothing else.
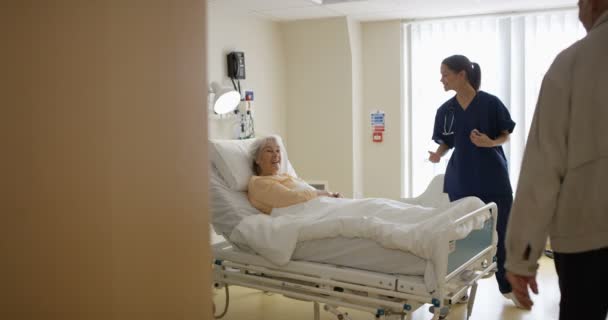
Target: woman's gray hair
(257, 150)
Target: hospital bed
(387, 283)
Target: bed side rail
(482, 242)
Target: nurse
(476, 124)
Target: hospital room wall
(320, 96)
(339, 71)
(233, 29)
(382, 90)
(356, 49)
(104, 188)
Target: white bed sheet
(394, 225)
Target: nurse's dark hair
(459, 63)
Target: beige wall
(233, 30)
(320, 99)
(104, 188)
(355, 39)
(339, 71)
(382, 90)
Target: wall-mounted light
(225, 99)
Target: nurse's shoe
(512, 297)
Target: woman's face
(450, 79)
(269, 159)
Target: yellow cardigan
(268, 192)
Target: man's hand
(481, 139)
(520, 286)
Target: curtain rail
(515, 13)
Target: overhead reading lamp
(225, 100)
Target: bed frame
(385, 296)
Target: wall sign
(378, 125)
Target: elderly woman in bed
(268, 189)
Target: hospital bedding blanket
(392, 224)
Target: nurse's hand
(434, 157)
(481, 139)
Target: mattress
(356, 253)
(361, 254)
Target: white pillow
(234, 161)
(228, 207)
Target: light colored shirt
(268, 192)
(564, 177)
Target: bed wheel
(443, 314)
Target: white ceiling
(373, 10)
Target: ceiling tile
(301, 13)
(364, 6)
(263, 5)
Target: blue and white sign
(378, 120)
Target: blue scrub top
(472, 170)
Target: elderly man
(564, 177)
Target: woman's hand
(325, 193)
(434, 157)
(481, 139)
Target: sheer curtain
(514, 54)
(544, 36)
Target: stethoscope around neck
(448, 131)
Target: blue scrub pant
(504, 203)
